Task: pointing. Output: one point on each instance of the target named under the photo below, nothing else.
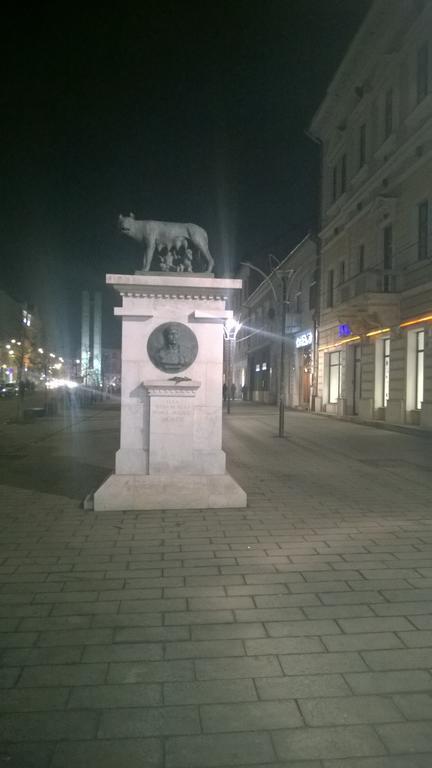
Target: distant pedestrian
(244, 392)
(224, 392)
(233, 391)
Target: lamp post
(282, 360)
(231, 329)
(284, 277)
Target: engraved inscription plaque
(172, 347)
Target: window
(388, 113)
(419, 368)
(27, 318)
(334, 184)
(330, 285)
(361, 258)
(388, 246)
(387, 255)
(334, 376)
(362, 145)
(386, 370)
(298, 298)
(423, 226)
(343, 173)
(422, 72)
(342, 272)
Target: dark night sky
(169, 109)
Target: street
(294, 633)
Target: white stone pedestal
(170, 454)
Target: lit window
(386, 371)
(334, 376)
(419, 368)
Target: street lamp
(231, 329)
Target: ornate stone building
(281, 313)
(375, 127)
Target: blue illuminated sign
(344, 330)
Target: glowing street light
(231, 329)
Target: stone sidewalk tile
(209, 692)
(150, 721)
(406, 737)
(75, 637)
(208, 751)
(139, 634)
(301, 686)
(117, 620)
(332, 742)
(349, 710)
(112, 753)
(284, 601)
(402, 609)
(115, 696)
(198, 617)
(34, 699)
(415, 706)
(53, 623)
(422, 622)
(317, 663)
(219, 603)
(26, 754)
(363, 641)
(254, 716)
(395, 761)
(17, 639)
(149, 671)
(36, 726)
(389, 682)
(123, 652)
(269, 614)
(339, 612)
(412, 658)
(281, 645)
(416, 638)
(302, 628)
(375, 625)
(36, 656)
(78, 608)
(351, 598)
(227, 631)
(251, 666)
(62, 675)
(204, 649)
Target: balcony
(368, 300)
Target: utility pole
(282, 360)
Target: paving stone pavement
(294, 633)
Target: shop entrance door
(306, 369)
(356, 378)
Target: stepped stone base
(146, 492)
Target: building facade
(275, 351)
(375, 129)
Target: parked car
(9, 389)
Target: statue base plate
(152, 492)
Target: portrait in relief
(172, 347)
